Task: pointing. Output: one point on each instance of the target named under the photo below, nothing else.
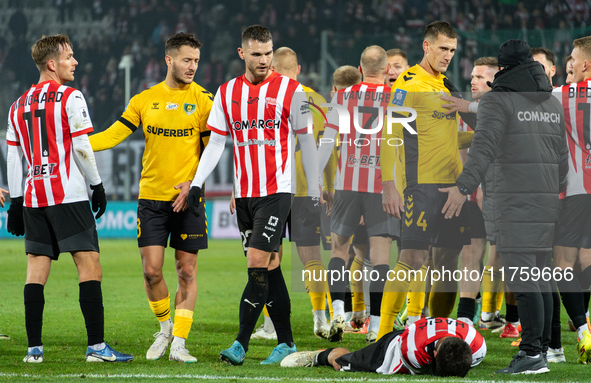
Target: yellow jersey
(431, 156)
(318, 118)
(174, 123)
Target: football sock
(572, 298)
(441, 304)
(161, 308)
(98, 346)
(511, 314)
(339, 307)
(357, 285)
(585, 281)
(91, 304)
(500, 297)
(315, 284)
(466, 309)
(182, 323)
(267, 322)
(416, 295)
(177, 341)
(322, 358)
(336, 267)
(166, 326)
(393, 299)
(491, 285)
(279, 306)
(374, 323)
(251, 303)
(34, 303)
(376, 289)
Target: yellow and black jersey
(319, 118)
(431, 156)
(174, 123)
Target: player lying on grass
(434, 346)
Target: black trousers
(534, 298)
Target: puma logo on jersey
(268, 237)
(250, 303)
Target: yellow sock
(314, 282)
(393, 299)
(182, 323)
(357, 285)
(416, 294)
(161, 308)
(329, 299)
(492, 290)
(442, 298)
(500, 297)
(442, 304)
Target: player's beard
(179, 76)
(257, 74)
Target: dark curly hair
(454, 357)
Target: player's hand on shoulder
(99, 200)
(15, 224)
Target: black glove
(16, 223)
(99, 200)
(194, 199)
(311, 211)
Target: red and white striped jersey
(576, 102)
(407, 353)
(359, 161)
(42, 122)
(262, 120)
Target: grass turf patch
(129, 325)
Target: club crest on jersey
(399, 97)
(172, 106)
(270, 101)
(189, 108)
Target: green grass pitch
(129, 325)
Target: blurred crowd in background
(102, 31)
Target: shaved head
(374, 60)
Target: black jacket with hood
(519, 150)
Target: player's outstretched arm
(111, 137)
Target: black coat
(519, 150)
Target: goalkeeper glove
(99, 200)
(194, 199)
(16, 223)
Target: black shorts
(68, 227)
(369, 358)
(261, 220)
(574, 222)
(348, 208)
(424, 224)
(299, 233)
(156, 222)
(476, 228)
